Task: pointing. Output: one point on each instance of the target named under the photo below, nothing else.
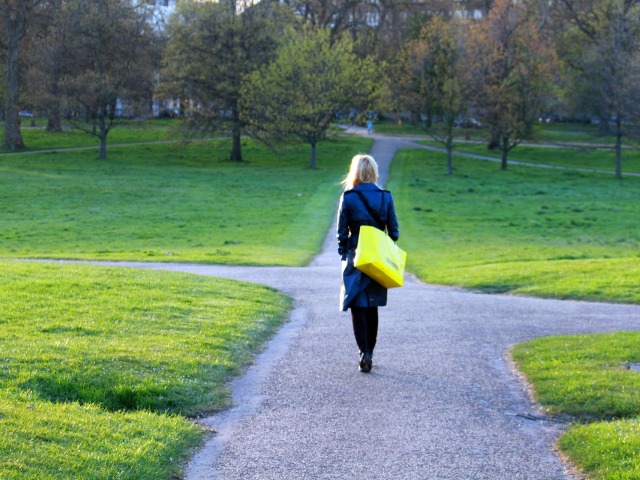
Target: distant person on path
(363, 203)
(369, 126)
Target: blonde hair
(364, 169)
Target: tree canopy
(312, 80)
(211, 48)
(512, 63)
(431, 79)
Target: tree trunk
(54, 122)
(494, 141)
(14, 31)
(312, 162)
(54, 114)
(449, 157)
(236, 146)
(103, 137)
(618, 147)
(603, 126)
(505, 153)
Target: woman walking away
(363, 203)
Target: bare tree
(431, 78)
(45, 65)
(606, 58)
(107, 70)
(512, 64)
(16, 16)
(379, 26)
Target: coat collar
(367, 186)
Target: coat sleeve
(343, 228)
(392, 221)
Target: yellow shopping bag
(380, 258)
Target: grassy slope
(586, 377)
(180, 203)
(527, 230)
(586, 157)
(97, 363)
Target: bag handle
(372, 212)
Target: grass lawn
(130, 131)
(582, 157)
(100, 366)
(585, 377)
(173, 203)
(527, 231)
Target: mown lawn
(130, 131)
(101, 366)
(183, 202)
(531, 231)
(593, 379)
(585, 157)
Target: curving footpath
(442, 401)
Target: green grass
(99, 366)
(560, 144)
(581, 157)
(129, 131)
(585, 377)
(527, 231)
(605, 450)
(173, 203)
(60, 441)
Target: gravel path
(442, 401)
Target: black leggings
(365, 327)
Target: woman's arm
(343, 227)
(392, 221)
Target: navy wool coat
(359, 290)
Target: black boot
(366, 362)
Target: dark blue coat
(359, 290)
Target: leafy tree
(602, 47)
(310, 82)
(431, 79)
(106, 45)
(211, 47)
(512, 64)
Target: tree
(378, 27)
(211, 47)
(512, 63)
(606, 59)
(430, 78)
(106, 44)
(304, 89)
(44, 66)
(16, 17)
